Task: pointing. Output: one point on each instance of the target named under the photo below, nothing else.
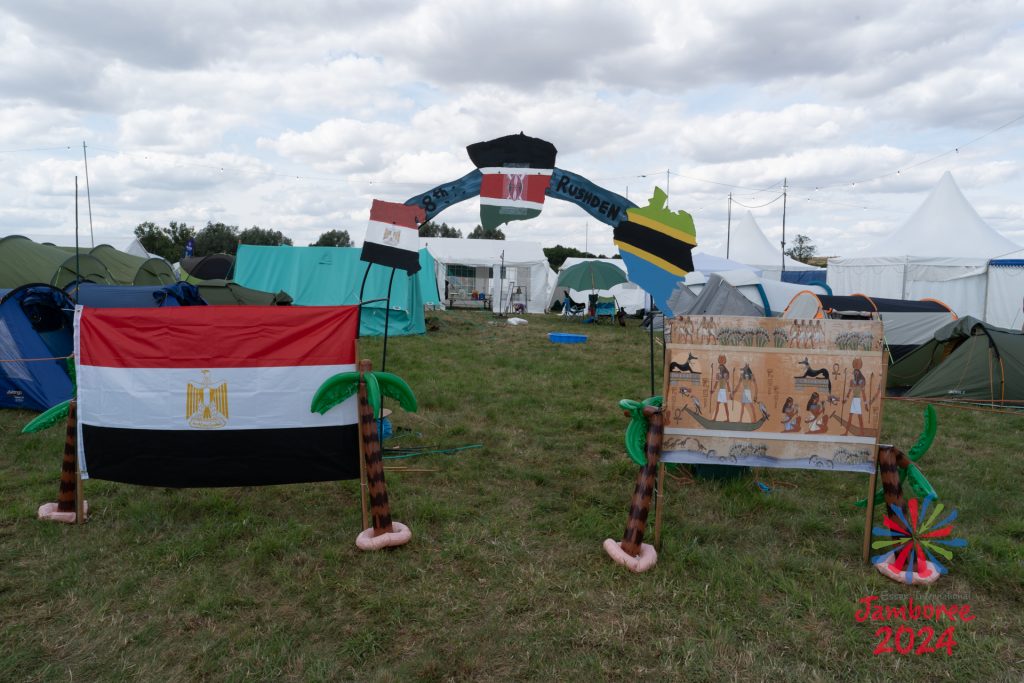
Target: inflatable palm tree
(370, 386)
(65, 509)
(643, 443)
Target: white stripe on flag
(257, 398)
(516, 203)
(389, 235)
(516, 170)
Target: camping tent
(36, 334)
(907, 323)
(771, 296)
(137, 296)
(942, 251)
(717, 297)
(1004, 301)
(332, 276)
(23, 262)
(966, 359)
(465, 266)
(228, 293)
(128, 269)
(210, 267)
(748, 245)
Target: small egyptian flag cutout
(392, 236)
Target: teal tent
(331, 276)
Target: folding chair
(606, 306)
(570, 308)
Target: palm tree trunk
(640, 505)
(380, 510)
(69, 465)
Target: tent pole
(651, 308)
(362, 287)
(387, 314)
(78, 266)
(785, 186)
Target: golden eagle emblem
(206, 406)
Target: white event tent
(747, 244)
(476, 265)
(941, 252)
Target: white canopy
(748, 245)
(528, 277)
(941, 252)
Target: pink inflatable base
(400, 536)
(48, 511)
(645, 560)
(930, 575)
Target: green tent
(228, 293)
(128, 269)
(23, 262)
(965, 360)
(332, 276)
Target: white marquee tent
(1004, 305)
(465, 265)
(941, 252)
(748, 245)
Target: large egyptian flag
(393, 237)
(214, 395)
(516, 173)
(658, 236)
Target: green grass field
(505, 579)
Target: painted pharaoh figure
(747, 386)
(722, 393)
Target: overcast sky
(294, 116)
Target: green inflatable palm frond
(51, 417)
(395, 387)
(333, 391)
(924, 442)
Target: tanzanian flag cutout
(516, 173)
(655, 234)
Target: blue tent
(139, 296)
(36, 334)
(332, 276)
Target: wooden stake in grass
(632, 551)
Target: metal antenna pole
(728, 228)
(785, 185)
(88, 194)
(78, 267)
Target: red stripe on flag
(397, 214)
(218, 336)
(498, 186)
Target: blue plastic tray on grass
(565, 338)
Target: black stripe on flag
(391, 257)
(675, 251)
(513, 150)
(237, 457)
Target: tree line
(170, 241)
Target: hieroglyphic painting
(768, 392)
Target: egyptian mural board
(768, 392)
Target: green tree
(432, 229)
(803, 249)
(217, 238)
(557, 254)
(479, 233)
(263, 237)
(169, 242)
(333, 238)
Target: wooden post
(657, 502)
(870, 513)
(79, 496)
